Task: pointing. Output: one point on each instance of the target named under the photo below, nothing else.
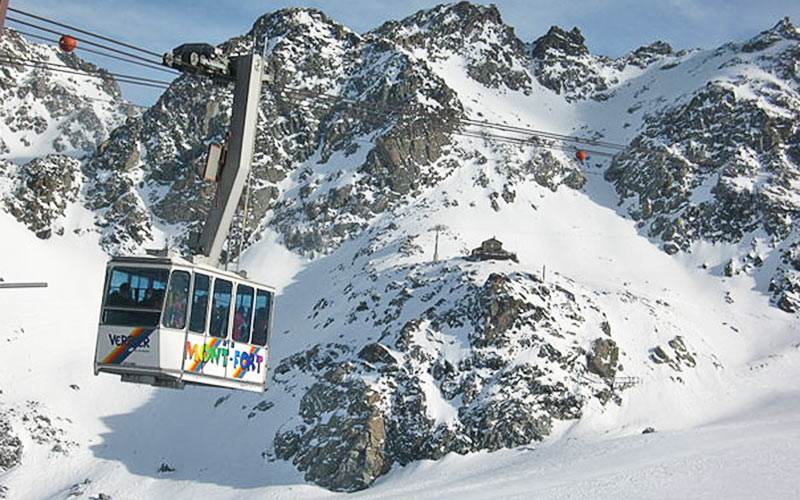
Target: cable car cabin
(167, 322)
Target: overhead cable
(150, 65)
(466, 121)
(85, 32)
(120, 79)
(95, 44)
(487, 136)
(97, 72)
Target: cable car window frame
(195, 305)
(136, 312)
(257, 339)
(246, 320)
(175, 305)
(225, 325)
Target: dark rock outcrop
(367, 409)
(43, 189)
(10, 446)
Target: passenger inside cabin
(217, 325)
(260, 326)
(261, 319)
(239, 328)
(176, 313)
(149, 299)
(121, 296)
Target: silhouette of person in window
(176, 315)
(149, 299)
(260, 326)
(239, 327)
(121, 296)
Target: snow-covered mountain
(644, 294)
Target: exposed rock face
(672, 176)
(676, 355)
(10, 446)
(603, 359)
(41, 191)
(113, 192)
(648, 54)
(147, 171)
(494, 55)
(562, 63)
(169, 142)
(407, 397)
(550, 172)
(340, 413)
(415, 116)
(784, 30)
(568, 43)
(42, 111)
(785, 284)
(730, 170)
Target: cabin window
(202, 287)
(261, 319)
(220, 308)
(134, 296)
(177, 297)
(243, 313)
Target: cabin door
(249, 335)
(206, 351)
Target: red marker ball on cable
(67, 43)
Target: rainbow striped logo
(135, 338)
(208, 352)
(246, 360)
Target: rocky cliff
(49, 122)
(722, 163)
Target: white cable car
(168, 322)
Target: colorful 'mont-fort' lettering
(211, 352)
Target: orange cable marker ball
(67, 43)
(581, 155)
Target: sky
(611, 27)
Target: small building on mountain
(492, 249)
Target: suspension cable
(80, 73)
(372, 107)
(97, 72)
(488, 136)
(112, 49)
(89, 33)
(149, 65)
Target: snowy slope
(44, 111)
(118, 435)
(534, 377)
